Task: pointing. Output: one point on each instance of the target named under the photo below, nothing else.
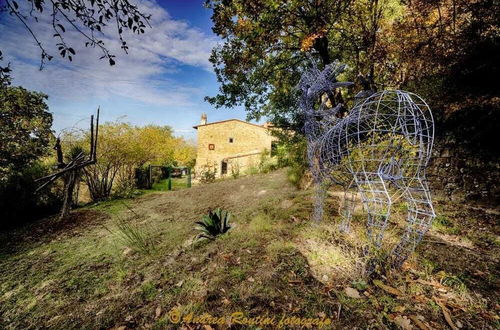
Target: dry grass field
(84, 272)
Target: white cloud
(142, 75)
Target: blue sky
(163, 80)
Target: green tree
(25, 133)
(267, 44)
(122, 148)
(436, 48)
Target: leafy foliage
(213, 224)
(439, 49)
(18, 201)
(88, 18)
(25, 133)
(4, 73)
(122, 148)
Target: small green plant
(455, 282)
(295, 174)
(252, 170)
(148, 291)
(213, 224)
(267, 163)
(444, 225)
(125, 188)
(235, 170)
(135, 237)
(359, 284)
(208, 174)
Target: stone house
(231, 146)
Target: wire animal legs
(420, 216)
(377, 203)
(319, 201)
(347, 209)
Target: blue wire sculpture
(379, 150)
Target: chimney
(203, 119)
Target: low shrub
(295, 174)
(235, 170)
(208, 174)
(125, 188)
(135, 237)
(267, 163)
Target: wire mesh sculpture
(379, 150)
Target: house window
(211, 146)
(231, 140)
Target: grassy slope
(81, 273)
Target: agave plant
(213, 224)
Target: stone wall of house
(239, 142)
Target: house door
(223, 167)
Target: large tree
(431, 47)
(267, 44)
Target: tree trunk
(321, 46)
(69, 186)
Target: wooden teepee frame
(70, 170)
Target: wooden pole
(150, 182)
(169, 178)
(189, 178)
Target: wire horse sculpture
(379, 150)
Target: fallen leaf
(158, 312)
(180, 283)
(387, 288)
(418, 322)
(399, 309)
(433, 283)
(403, 322)
(421, 298)
(446, 314)
(251, 279)
(352, 293)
